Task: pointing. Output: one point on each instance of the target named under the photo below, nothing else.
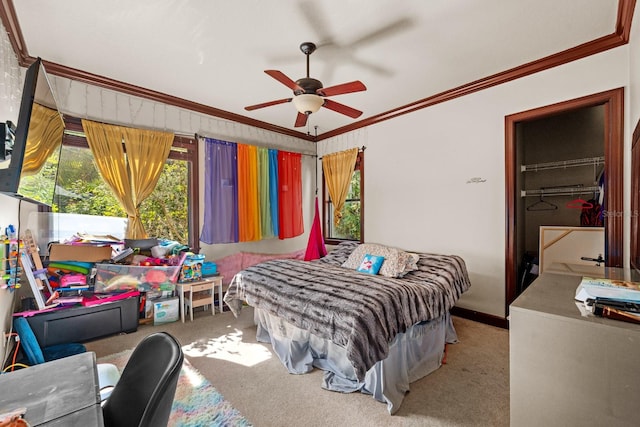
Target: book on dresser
(616, 289)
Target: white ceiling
(214, 52)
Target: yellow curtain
(147, 151)
(134, 176)
(338, 169)
(45, 135)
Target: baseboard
(489, 319)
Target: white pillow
(411, 263)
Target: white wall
(11, 77)
(418, 167)
(20, 214)
(8, 215)
(10, 92)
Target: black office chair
(143, 395)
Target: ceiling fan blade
(373, 67)
(316, 20)
(301, 120)
(388, 30)
(354, 86)
(282, 78)
(267, 104)
(341, 108)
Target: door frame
(613, 102)
(634, 247)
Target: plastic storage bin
(209, 269)
(119, 278)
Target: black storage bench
(79, 324)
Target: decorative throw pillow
(371, 264)
(355, 257)
(395, 260)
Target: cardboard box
(148, 308)
(192, 268)
(166, 310)
(82, 253)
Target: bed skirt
(412, 355)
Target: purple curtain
(220, 192)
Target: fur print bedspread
(358, 311)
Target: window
(82, 202)
(351, 226)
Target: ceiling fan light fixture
(308, 103)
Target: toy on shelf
(9, 256)
(37, 280)
(192, 268)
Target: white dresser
(570, 370)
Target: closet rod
(560, 191)
(563, 164)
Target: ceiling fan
(309, 95)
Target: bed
(374, 333)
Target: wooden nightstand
(198, 294)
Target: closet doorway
(537, 138)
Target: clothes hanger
(542, 205)
(579, 204)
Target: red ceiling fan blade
(282, 78)
(355, 86)
(301, 120)
(341, 108)
(267, 104)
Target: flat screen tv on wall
(36, 90)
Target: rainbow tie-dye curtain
(221, 192)
(251, 193)
(264, 200)
(274, 201)
(248, 202)
(290, 194)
